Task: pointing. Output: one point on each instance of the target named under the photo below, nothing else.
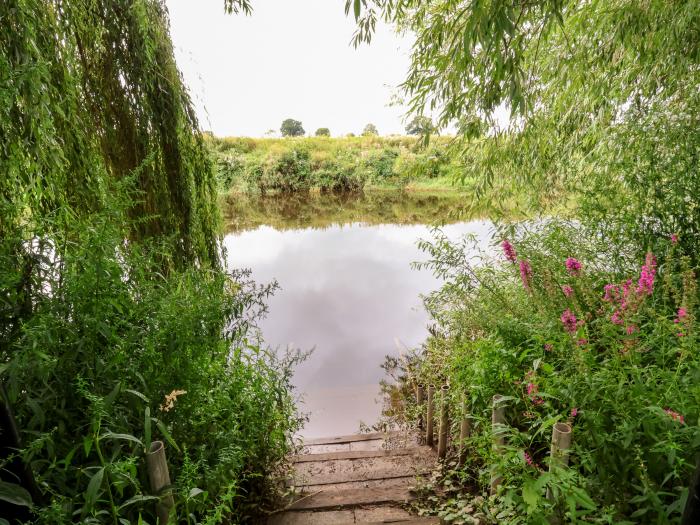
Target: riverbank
(247, 165)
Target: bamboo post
(691, 513)
(419, 402)
(444, 423)
(464, 431)
(429, 417)
(498, 422)
(159, 477)
(559, 452)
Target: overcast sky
(289, 59)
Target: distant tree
(323, 132)
(271, 133)
(292, 128)
(370, 129)
(350, 135)
(420, 125)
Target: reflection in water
(314, 210)
(350, 293)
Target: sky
(289, 59)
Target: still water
(349, 293)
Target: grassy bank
(246, 165)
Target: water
(348, 291)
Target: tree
(420, 125)
(323, 132)
(370, 129)
(292, 128)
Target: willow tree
(601, 96)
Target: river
(347, 291)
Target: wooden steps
(363, 478)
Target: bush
(113, 357)
(566, 332)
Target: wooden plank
(349, 438)
(401, 482)
(353, 498)
(358, 454)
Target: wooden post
(159, 477)
(464, 431)
(498, 422)
(559, 452)
(444, 423)
(419, 403)
(691, 513)
(429, 417)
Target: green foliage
(323, 132)
(118, 324)
(623, 374)
(291, 128)
(420, 125)
(348, 164)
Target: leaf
(530, 495)
(15, 494)
(3, 521)
(195, 492)
(140, 498)
(357, 9)
(147, 426)
(137, 394)
(93, 488)
(125, 437)
(164, 430)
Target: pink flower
(568, 319)
(645, 285)
(675, 415)
(682, 313)
(574, 412)
(509, 251)
(525, 273)
(674, 238)
(631, 329)
(573, 266)
(528, 459)
(568, 290)
(582, 342)
(616, 318)
(612, 293)
(548, 347)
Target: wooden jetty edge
(359, 478)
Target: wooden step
(350, 438)
(350, 498)
(362, 467)
(355, 454)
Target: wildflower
(170, 399)
(631, 329)
(528, 459)
(616, 318)
(675, 416)
(611, 292)
(525, 273)
(568, 290)
(509, 251)
(582, 342)
(573, 266)
(568, 319)
(548, 347)
(645, 285)
(674, 238)
(574, 412)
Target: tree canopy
(323, 132)
(292, 128)
(370, 129)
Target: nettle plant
(566, 336)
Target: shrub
(566, 335)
